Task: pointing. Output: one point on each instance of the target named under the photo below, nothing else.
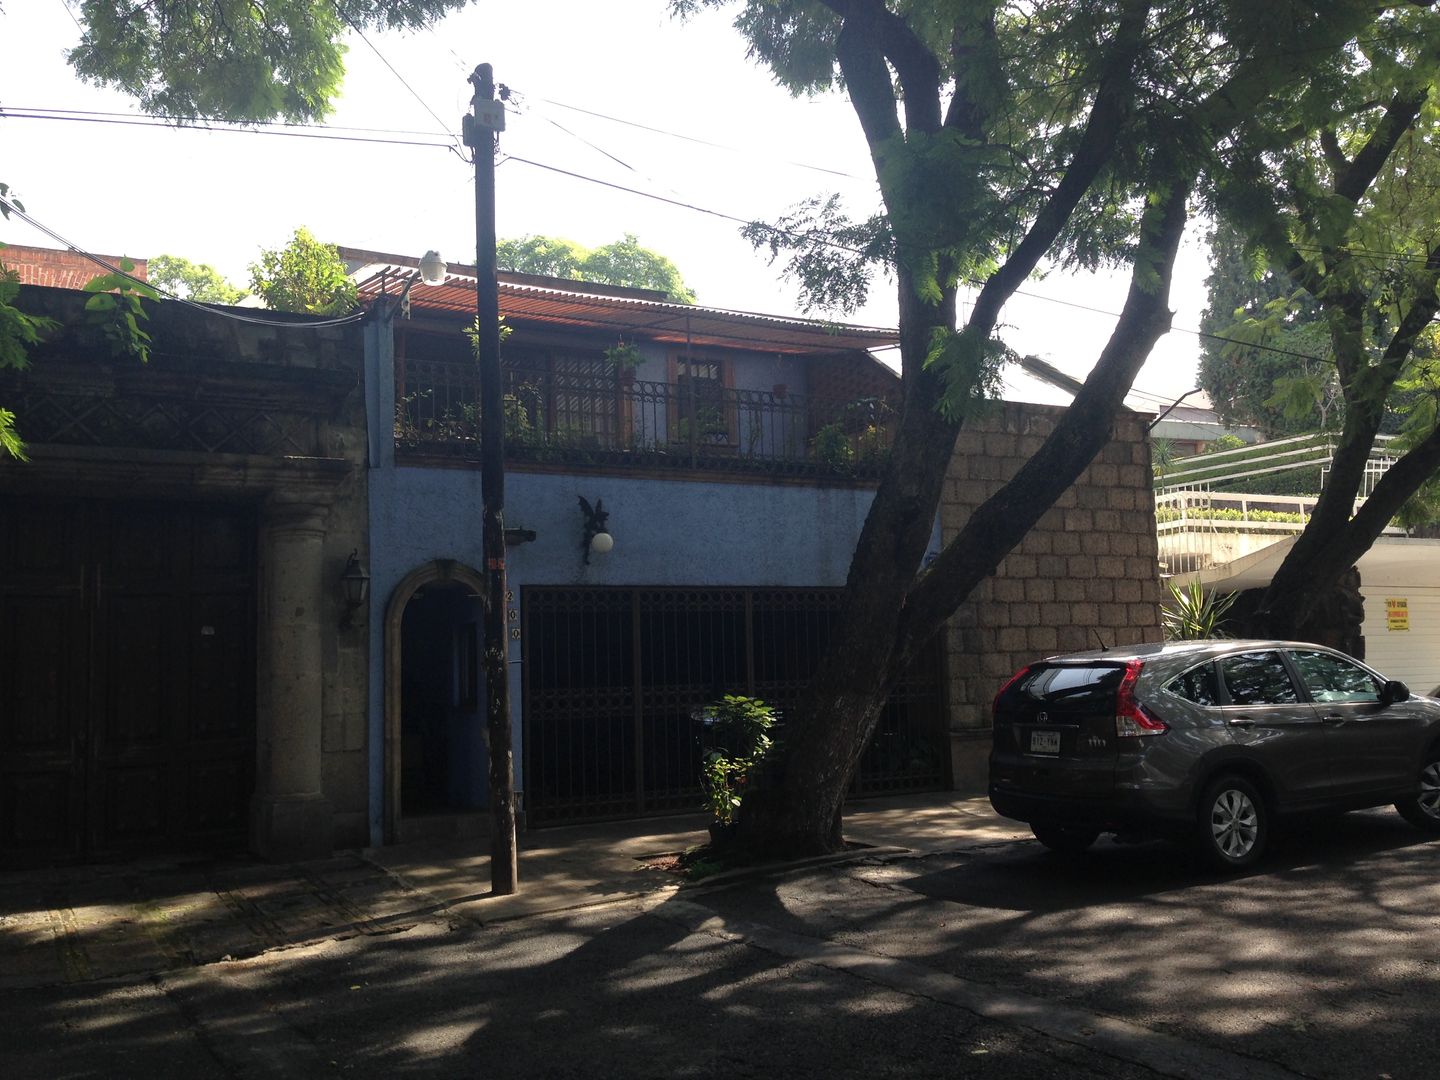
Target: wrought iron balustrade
(587, 417)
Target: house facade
(174, 668)
(735, 456)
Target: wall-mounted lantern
(354, 587)
(596, 538)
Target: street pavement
(76, 924)
(953, 945)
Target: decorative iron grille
(581, 411)
(615, 679)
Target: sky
(618, 93)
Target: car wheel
(1423, 811)
(1065, 839)
(1234, 824)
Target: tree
(623, 262)
(1260, 345)
(200, 282)
(1352, 232)
(548, 256)
(1001, 137)
(304, 276)
(233, 59)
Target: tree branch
(1002, 521)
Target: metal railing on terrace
(608, 418)
(1212, 509)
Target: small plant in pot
(624, 357)
(737, 729)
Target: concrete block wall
(1086, 574)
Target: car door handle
(1333, 718)
(1240, 721)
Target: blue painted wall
(667, 532)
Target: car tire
(1423, 811)
(1065, 839)
(1233, 824)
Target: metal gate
(614, 678)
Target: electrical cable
(423, 104)
(235, 128)
(11, 208)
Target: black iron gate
(614, 678)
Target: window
(1197, 685)
(1329, 678)
(701, 407)
(1257, 678)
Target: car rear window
(1197, 685)
(1066, 686)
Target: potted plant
(624, 357)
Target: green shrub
(739, 731)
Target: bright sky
(733, 143)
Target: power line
(11, 208)
(186, 124)
(413, 93)
(696, 140)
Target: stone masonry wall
(1086, 574)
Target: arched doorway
(435, 759)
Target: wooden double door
(127, 677)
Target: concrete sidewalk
(75, 924)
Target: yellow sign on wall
(1397, 613)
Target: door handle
(1241, 721)
(1333, 718)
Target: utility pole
(481, 128)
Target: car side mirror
(1394, 691)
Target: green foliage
(1162, 456)
(305, 276)
(1223, 444)
(970, 368)
(831, 445)
(624, 263)
(739, 732)
(1228, 513)
(115, 307)
(232, 59)
(548, 256)
(178, 276)
(830, 258)
(1191, 613)
(623, 356)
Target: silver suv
(1209, 741)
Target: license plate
(1045, 742)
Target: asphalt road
(1000, 961)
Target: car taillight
(995, 705)
(1130, 716)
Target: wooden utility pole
(481, 128)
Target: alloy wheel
(1429, 799)
(1235, 823)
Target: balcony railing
(607, 418)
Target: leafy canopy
(200, 282)
(233, 59)
(305, 276)
(623, 263)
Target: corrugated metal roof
(654, 320)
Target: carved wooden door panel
(43, 680)
(127, 677)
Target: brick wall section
(60, 269)
(1088, 568)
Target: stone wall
(1085, 575)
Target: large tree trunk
(887, 615)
